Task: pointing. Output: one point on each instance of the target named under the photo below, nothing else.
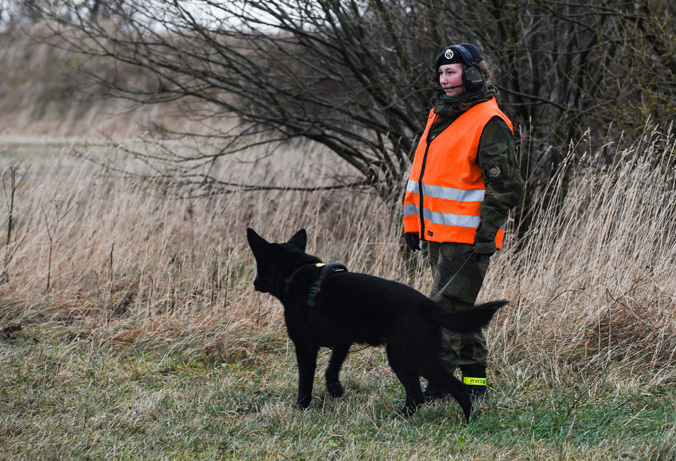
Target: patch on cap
(448, 54)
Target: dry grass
(131, 264)
(591, 324)
(592, 284)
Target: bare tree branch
(356, 77)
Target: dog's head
(272, 260)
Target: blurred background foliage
(356, 76)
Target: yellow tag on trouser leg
(474, 381)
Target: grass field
(130, 328)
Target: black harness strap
(325, 271)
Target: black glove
(484, 246)
(412, 240)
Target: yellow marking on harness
(474, 381)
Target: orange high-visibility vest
(445, 187)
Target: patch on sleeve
(494, 170)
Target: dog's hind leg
(337, 358)
(409, 378)
(306, 355)
(445, 380)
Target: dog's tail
(469, 319)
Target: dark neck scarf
(451, 106)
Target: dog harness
(324, 271)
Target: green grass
(72, 398)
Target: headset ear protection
(471, 75)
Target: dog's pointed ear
(299, 240)
(254, 239)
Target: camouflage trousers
(457, 263)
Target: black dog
(327, 306)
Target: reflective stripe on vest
(447, 193)
(446, 219)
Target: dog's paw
(335, 389)
(304, 402)
(407, 410)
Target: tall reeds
(593, 283)
(117, 259)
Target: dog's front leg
(306, 355)
(337, 358)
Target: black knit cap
(453, 55)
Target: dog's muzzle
(257, 286)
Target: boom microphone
(441, 88)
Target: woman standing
(463, 182)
